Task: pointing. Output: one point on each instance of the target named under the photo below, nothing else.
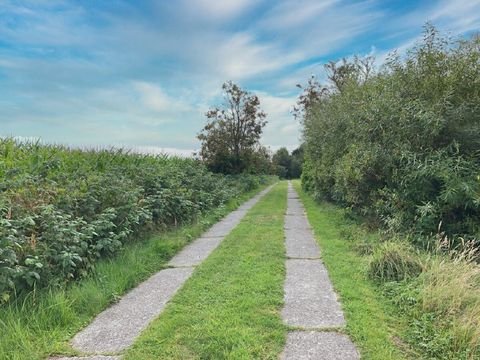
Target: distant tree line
(286, 165)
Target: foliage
(370, 323)
(61, 209)
(402, 145)
(230, 139)
(434, 314)
(442, 306)
(39, 325)
(288, 166)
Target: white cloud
(155, 98)
(282, 129)
(458, 15)
(144, 75)
(288, 14)
(156, 150)
(242, 57)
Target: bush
(62, 209)
(402, 146)
(394, 261)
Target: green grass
(43, 323)
(369, 320)
(229, 308)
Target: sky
(142, 74)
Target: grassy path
(229, 308)
(368, 324)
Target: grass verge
(401, 302)
(229, 308)
(369, 322)
(44, 321)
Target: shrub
(63, 209)
(401, 145)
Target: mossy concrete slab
(300, 244)
(117, 327)
(94, 357)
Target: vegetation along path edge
(116, 328)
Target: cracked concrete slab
(313, 345)
(194, 253)
(224, 226)
(310, 301)
(296, 222)
(295, 208)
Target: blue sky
(142, 74)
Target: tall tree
(232, 134)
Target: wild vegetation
(401, 146)
(400, 303)
(61, 209)
(399, 149)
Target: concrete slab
(296, 222)
(94, 357)
(300, 243)
(116, 328)
(295, 209)
(310, 301)
(194, 253)
(224, 226)
(313, 345)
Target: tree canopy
(230, 141)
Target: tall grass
(438, 293)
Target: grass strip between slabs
(230, 307)
(368, 322)
(45, 321)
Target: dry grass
(450, 288)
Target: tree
(286, 165)
(296, 165)
(281, 160)
(231, 137)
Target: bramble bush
(62, 209)
(401, 146)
